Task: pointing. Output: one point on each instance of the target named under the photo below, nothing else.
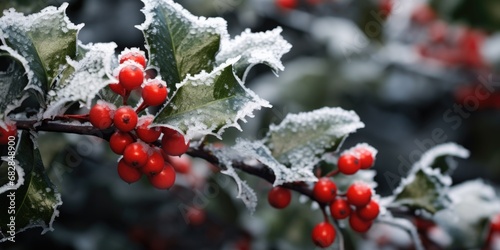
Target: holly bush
(158, 145)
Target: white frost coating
(472, 203)
(363, 145)
(447, 149)
(245, 193)
(197, 24)
(334, 123)
(426, 161)
(23, 24)
(92, 73)
(196, 124)
(257, 150)
(263, 47)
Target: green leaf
(31, 199)
(473, 205)
(423, 191)
(41, 41)
(12, 83)
(428, 182)
(301, 139)
(208, 103)
(178, 42)
(254, 48)
(83, 79)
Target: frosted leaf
(426, 186)
(404, 224)
(439, 157)
(256, 150)
(203, 106)
(43, 40)
(262, 47)
(245, 193)
(474, 203)
(12, 83)
(84, 79)
(178, 42)
(36, 200)
(301, 139)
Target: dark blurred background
(418, 74)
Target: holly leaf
(12, 82)
(179, 43)
(301, 139)
(474, 203)
(208, 103)
(30, 200)
(254, 48)
(83, 79)
(428, 182)
(41, 42)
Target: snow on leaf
(426, 186)
(178, 42)
(439, 157)
(208, 103)
(43, 40)
(245, 193)
(35, 197)
(84, 79)
(474, 203)
(256, 150)
(262, 47)
(12, 83)
(301, 139)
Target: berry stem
(325, 216)
(141, 107)
(84, 117)
(126, 96)
(332, 173)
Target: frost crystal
(245, 193)
(301, 139)
(263, 47)
(90, 74)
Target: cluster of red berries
(9, 130)
(134, 138)
(356, 203)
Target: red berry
(359, 194)
(323, 234)
(136, 154)
(128, 173)
(325, 190)
(365, 158)
(119, 140)
(125, 119)
(195, 216)
(154, 92)
(359, 225)
(423, 14)
(164, 179)
(174, 144)
(340, 209)
(154, 165)
(131, 76)
(348, 164)
(134, 55)
(11, 130)
(495, 223)
(118, 89)
(147, 134)
(279, 197)
(370, 211)
(181, 164)
(101, 115)
(287, 4)
(385, 7)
